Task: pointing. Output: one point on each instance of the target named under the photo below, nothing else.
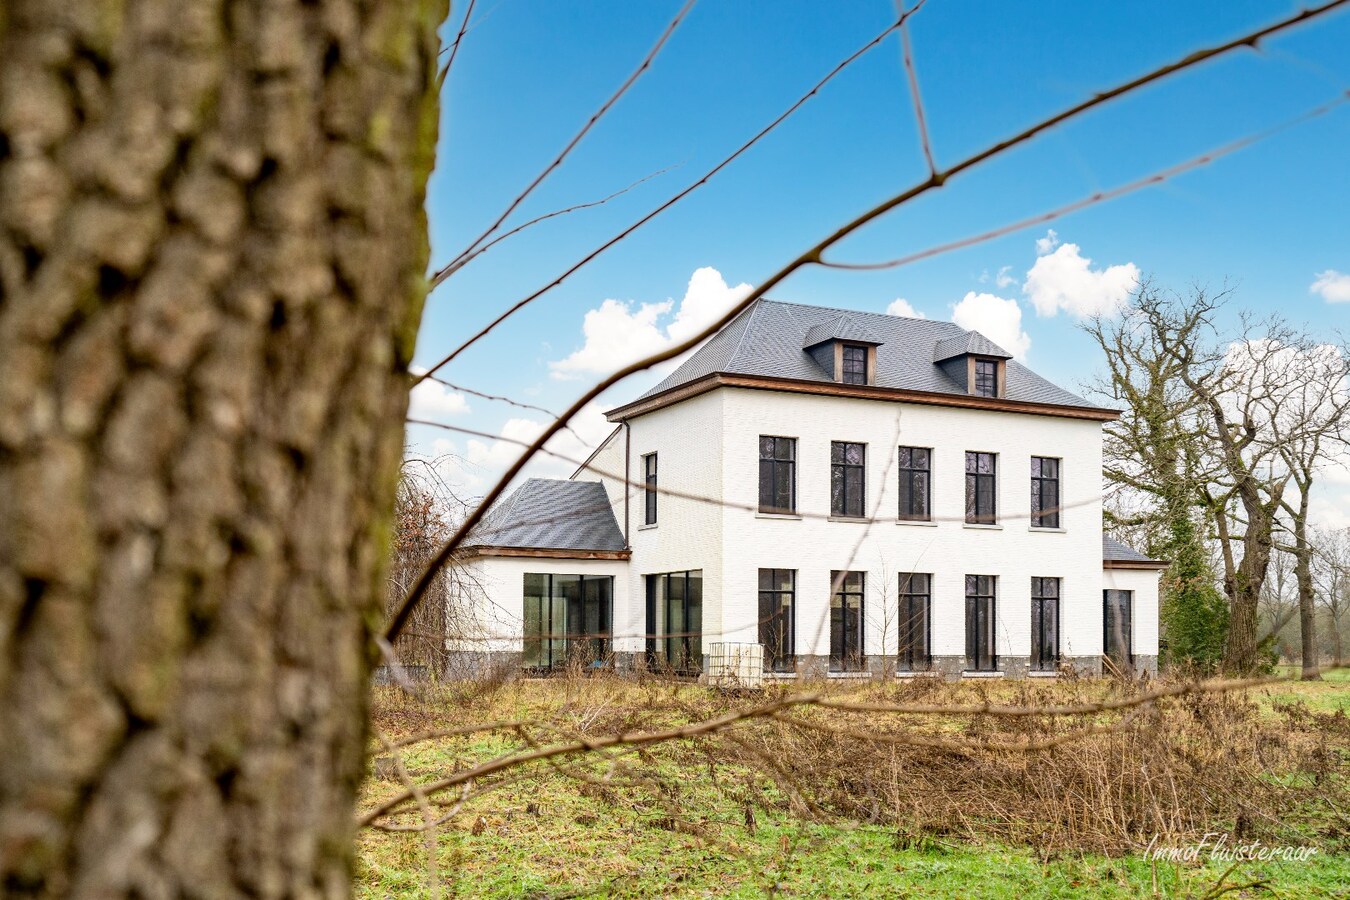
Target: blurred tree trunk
(212, 260)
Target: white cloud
(617, 334)
(1330, 512)
(902, 307)
(994, 317)
(1049, 242)
(1064, 279)
(1333, 286)
(434, 401)
(1004, 277)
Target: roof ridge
(851, 312)
(749, 313)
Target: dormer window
(986, 377)
(854, 364)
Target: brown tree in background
(212, 266)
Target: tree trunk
(212, 260)
(1307, 610)
(1244, 588)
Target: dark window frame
(1045, 491)
(986, 378)
(981, 488)
(1124, 630)
(1046, 597)
(561, 643)
(842, 499)
(848, 652)
(981, 623)
(778, 620)
(911, 474)
(776, 471)
(914, 642)
(853, 364)
(649, 470)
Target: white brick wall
(708, 446)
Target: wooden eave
(859, 391)
(546, 553)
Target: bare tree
(1332, 573)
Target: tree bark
(212, 267)
(1307, 596)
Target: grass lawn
(697, 829)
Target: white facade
(708, 519)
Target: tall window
(915, 601)
(567, 619)
(777, 474)
(986, 378)
(980, 656)
(855, 364)
(1044, 492)
(981, 495)
(846, 622)
(1044, 624)
(675, 621)
(915, 486)
(847, 475)
(777, 590)
(1118, 627)
(649, 489)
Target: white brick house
(859, 493)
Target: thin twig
(912, 76)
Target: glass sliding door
(566, 619)
(675, 621)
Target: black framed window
(981, 488)
(1118, 627)
(848, 466)
(675, 621)
(777, 591)
(912, 653)
(1044, 492)
(777, 474)
(980, 600)
(1044, 624)
(916, 483)
(567, 619)
(649, 489)
(986, 378)
(855, 364)
(846, 622)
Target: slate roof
(549, 514)
(1114, 551)
(972, 343)
(768, 338)
(840, 328)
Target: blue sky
(1268, 221)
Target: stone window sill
(969, 674)
(856, 519)
(1035, 674)
(979, 527)
(915, 674)
(922, 523)
(849, 675)
(646, 527)
(1039, 530)
(785, 675)
(788, 517)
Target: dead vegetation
(1105, 780)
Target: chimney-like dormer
(976, 363)
(844, 349)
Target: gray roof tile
(840, 328)
(767, 340)
(549, 514)
(1114, 551)
(972, 343)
